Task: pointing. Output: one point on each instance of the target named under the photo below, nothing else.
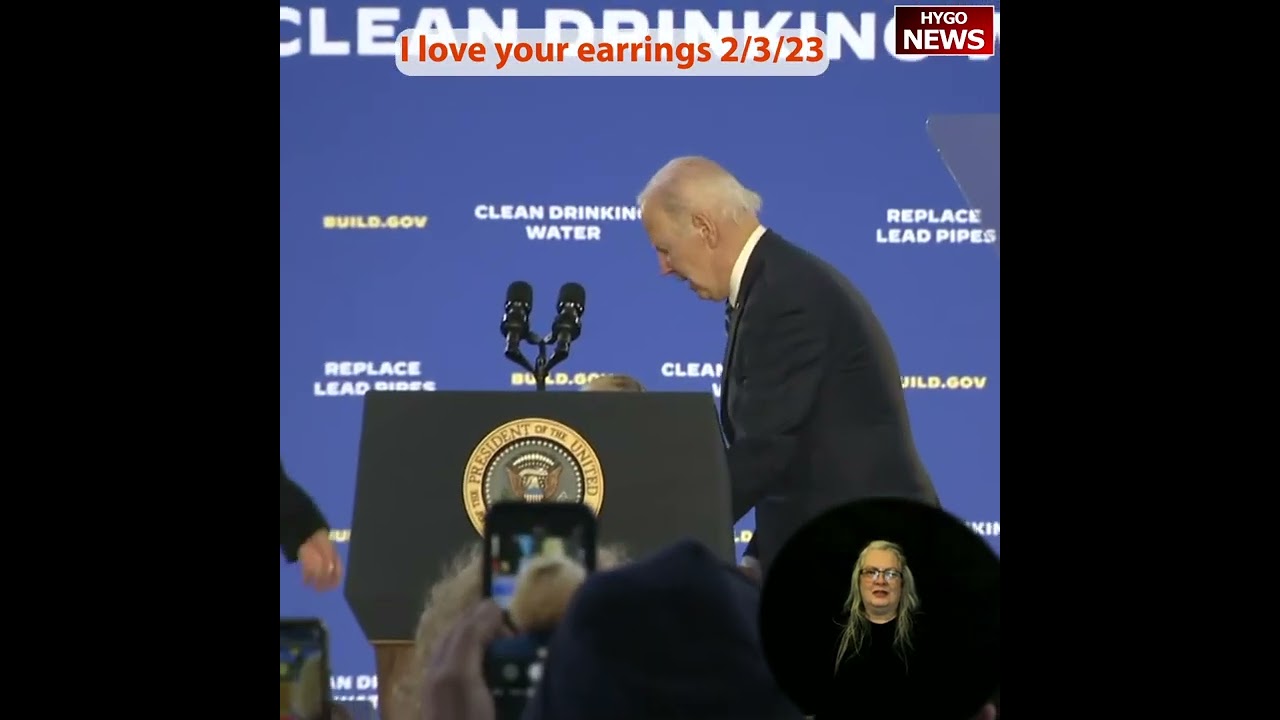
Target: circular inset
(884, 605)
(534, 460)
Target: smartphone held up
(519, 535)
(304, 669)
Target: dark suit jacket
(812, 404)
(299, 516)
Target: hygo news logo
(375, 222)
(940, 30)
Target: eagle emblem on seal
(534, 477)
(534, 460)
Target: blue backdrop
(408, 204)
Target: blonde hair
(613, 383)
(856, 629)
(543, 590)
(458, 590)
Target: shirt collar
(740, 265)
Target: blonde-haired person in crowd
(613, 383)
(544, 588)
(457, 591)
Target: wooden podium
(392, 659)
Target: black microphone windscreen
(520, 292)
(573, 293)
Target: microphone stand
(541, 368)
(542, 365)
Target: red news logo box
(968, 30)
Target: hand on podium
(321, 566)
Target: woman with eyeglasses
(876, 645)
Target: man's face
(881, 581)
(683, 251)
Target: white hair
(696, 183)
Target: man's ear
(706, 230)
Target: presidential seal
(533, 460)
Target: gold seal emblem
(534, 460)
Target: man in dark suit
(811, 398)
(304, 536)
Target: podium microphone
(570, 306)
(515, 315)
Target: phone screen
(304, 670)
(516, 535)
(510, 552)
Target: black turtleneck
(948, 672)
(872, 680)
